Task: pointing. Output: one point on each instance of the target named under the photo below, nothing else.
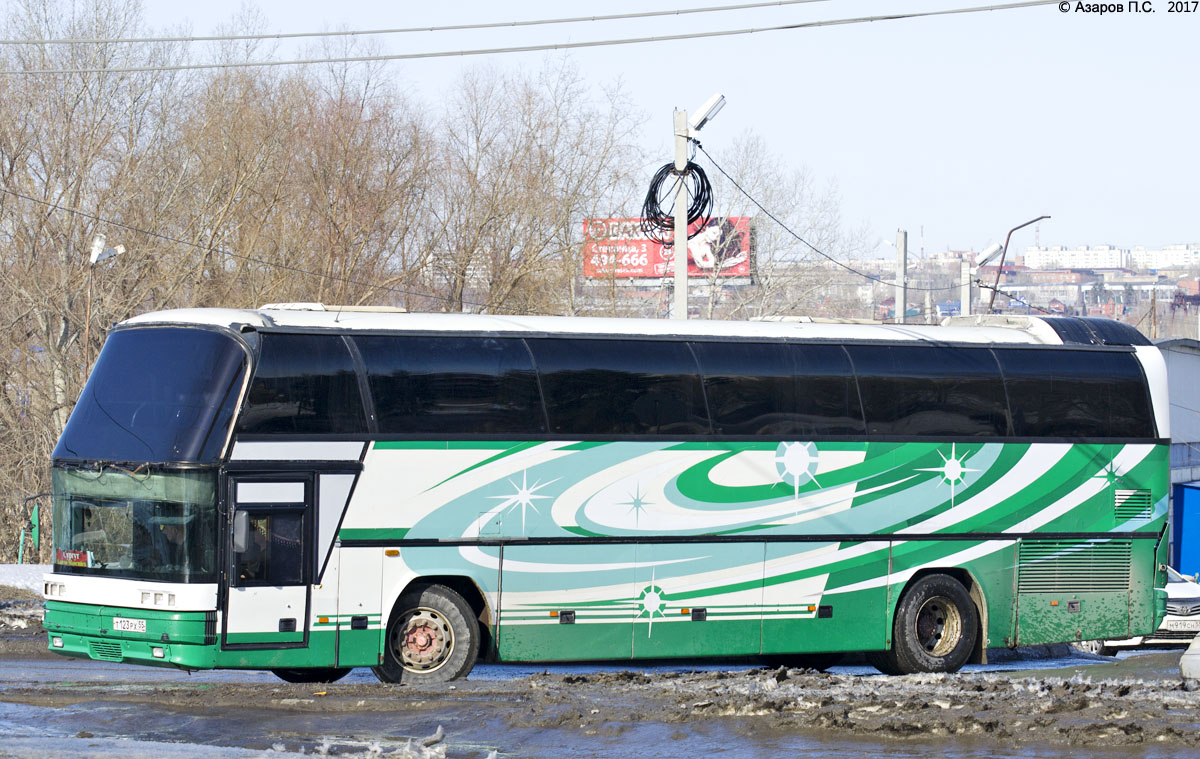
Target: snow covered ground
(28, 576)
(19, 615)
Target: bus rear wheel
(311, 675)
(935, 629)
(432, 637)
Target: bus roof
(971, 329)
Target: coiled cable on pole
(656, 221)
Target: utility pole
(901, 275)
(681, 237)
(964, 307)
(1153, 313)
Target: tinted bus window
(452, 385)
(779, 389)
(303, 384)
(159, 394)
(930, 390)
(620, 387)
(1070, 394)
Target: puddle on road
(473, 727)
(136, 732)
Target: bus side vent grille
(1132, 504)
(210, 628)
(1073, 566)
(105, 650)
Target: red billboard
(619, 247)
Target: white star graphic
(524, 497)
(651, 603)
(952, 470)
(797, 464)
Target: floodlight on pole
(707, 112)
(988, 254)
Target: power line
(251, 259)
(449, 28)
(1010, 296)
(814, 248)
(537, 48)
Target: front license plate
(124, 624)
(1183, 625)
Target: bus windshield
(150, 525)
(158, 395)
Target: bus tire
(432, 637)
(935, 629)
(312, 674)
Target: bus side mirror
(241, 530)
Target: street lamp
(99, 253)
(1003, 250)
(685, 131)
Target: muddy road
(1134, 705)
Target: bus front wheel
(935, 629)
(432, 637)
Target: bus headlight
(157, 652)
(56, 642)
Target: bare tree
(524, 159)
(790, 278)
(73, 148)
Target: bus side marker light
(685, 610)
(1054, 603)
(392, 552)
(322, 620)
(812, 608)
(554, 614)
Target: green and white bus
(308, 490)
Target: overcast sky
(962, 126)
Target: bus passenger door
(269, 562)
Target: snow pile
(14, 614)
(28, 576)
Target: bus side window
(1076, 393)
(452, 384)
(923, 390)
(303, 384)
(621, 387)
(779, 389)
